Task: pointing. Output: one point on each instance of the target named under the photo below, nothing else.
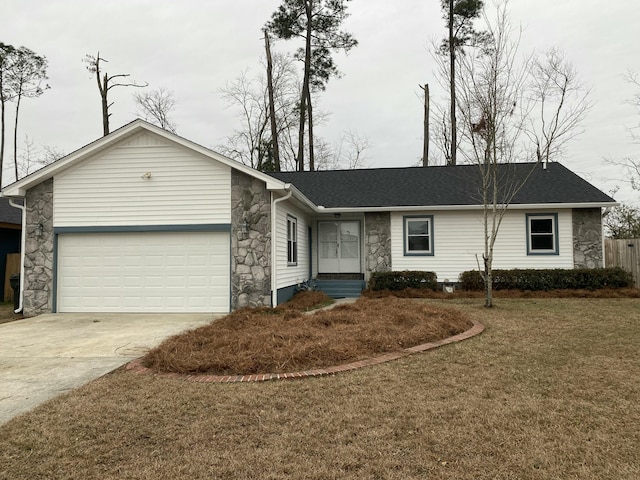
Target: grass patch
(549, 391)
(284, 339)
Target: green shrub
(550, 279)
(400, 280)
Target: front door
(339, 247)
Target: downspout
(274, 289)
(23, 242)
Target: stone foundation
(377, 243)
(38, 253)
(587, 238)
(250, 251)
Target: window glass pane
(327, 232)
(542, 242)
(418, 227)
(541, 225)
(419, 243)
(349, 249)
(328, 250)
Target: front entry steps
(341, 288)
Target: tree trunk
(312, 163)
(452, 87)
(105, 104)
(425, 146)
(275, 151)
(15, 134)
(305, 84)
(488, 286)
(2, 102)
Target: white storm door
(339, 247)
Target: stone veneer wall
(250, 252)
(38, 253)
(377, 243)
(587, 238)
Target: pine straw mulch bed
(284, 339)
(458, 294)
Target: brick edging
(136, 366)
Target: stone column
(38, 253)
(587, 238)
(377, 243)
(250, 251)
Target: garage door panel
(143, 272)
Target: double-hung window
(292, 240)
(418, 235)
(542, 234)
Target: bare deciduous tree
(33, 158)
(156, 107)
(496, 105)
(623, 222)
(561, 103)
(252, 143)
(631, 165)
(349, 153)
(106, 83)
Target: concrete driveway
(44, 356)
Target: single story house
(143, 220)
(10, 226)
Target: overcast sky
(194, 47)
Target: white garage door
(143, 272)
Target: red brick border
(136, 366)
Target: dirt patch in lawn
(285, 339)
(6, 313)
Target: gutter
(23, 242)
(274, 284)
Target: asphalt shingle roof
(9, 214)
(439, 186)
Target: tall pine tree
(318, 23)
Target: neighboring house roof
(9, 214)
(440, 186)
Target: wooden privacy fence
(625, 254)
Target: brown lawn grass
(284, 339)
(550, 390)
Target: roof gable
(136, 132)
(440, 186)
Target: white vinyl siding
(458, 238)
(143, 272)
(110, 189)
(287, 274)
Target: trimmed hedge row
(550, 279)
(400, 280)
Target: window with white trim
(418, 235)
(542, 234)
(292, 240)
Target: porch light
(39, 230)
